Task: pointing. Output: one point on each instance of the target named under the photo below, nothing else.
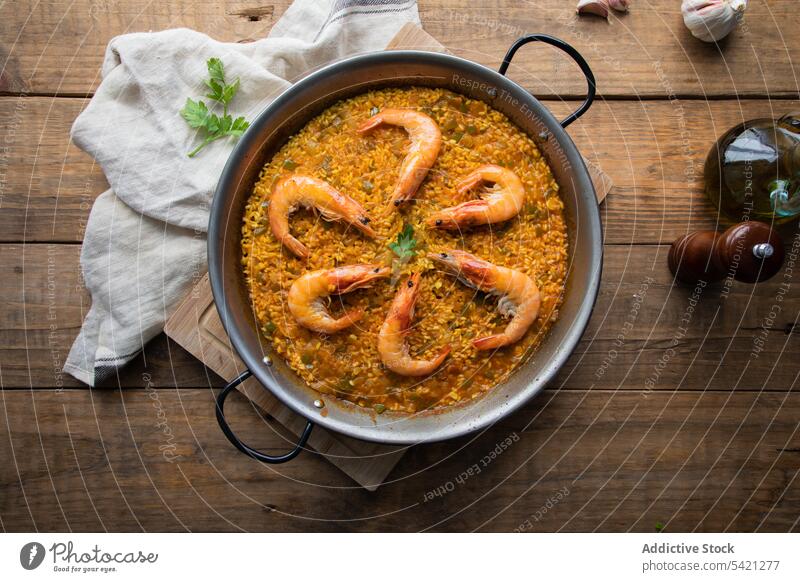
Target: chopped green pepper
(533, 210)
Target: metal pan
(285, 117)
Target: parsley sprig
(404, 247)
(209, 124)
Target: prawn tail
(437, 361)
(370, 123)
(423, 367)
(347, 320)
(295, 246)
(491, 342)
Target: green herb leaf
(216, 70)
(195, 113)
(211, 126)
(344, 384)
(216, 89)
(229, 91)
(239, 125)
(404, 246)
(290, 164)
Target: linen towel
(145, 239)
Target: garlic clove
(619, 5)
(598, 7)
(712, 20)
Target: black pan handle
(247, 450)
(570, 50)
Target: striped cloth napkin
(145, 240)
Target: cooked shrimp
(307, 295)
(426, 141)
(519, 295)
(392, 345)
(502, 201)
(295, 191)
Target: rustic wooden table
(668, 413)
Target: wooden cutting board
(196, 326)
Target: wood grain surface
(57, 47)
(94, 460)
(675, 410)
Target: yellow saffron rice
(365, 167)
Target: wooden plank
(47, 185)
(729, 339)
(653, 152)
(156, 461)
(58, 47)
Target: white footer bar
(401, 557)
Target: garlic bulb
(712, 20)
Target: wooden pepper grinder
(750, 251)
